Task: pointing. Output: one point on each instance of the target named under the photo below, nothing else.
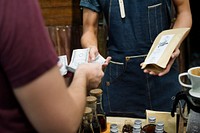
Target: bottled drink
(127, 128)
(113, 128)
(86, 125)
(160, 128)
(138, 122)
(100, 112)
(92, 103)
(150, 127)
(136, 128)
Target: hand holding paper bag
(163, 47)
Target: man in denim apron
(132, 28)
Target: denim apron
(127, 90)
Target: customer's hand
(92, 72)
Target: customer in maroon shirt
(33, 94)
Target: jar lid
(114, 130)
(160, 123)
(113, 126)
(138, 122)
(97, 91)
(136, 127)
(88, 110)
(152, 119)
(91, 99)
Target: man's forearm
(89, 39)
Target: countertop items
(165, 117)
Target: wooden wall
(63, 19)
(61, 12)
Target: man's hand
(174, 55)
(93, 53)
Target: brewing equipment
(193, 106)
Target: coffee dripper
(193, 106)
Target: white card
(63, 62)
(99, 59)
(80, 56)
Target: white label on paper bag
(158, 51)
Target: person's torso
(25, 54)
(143, 21)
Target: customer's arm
(52, 107)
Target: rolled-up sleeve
(91, 4)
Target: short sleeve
(91, 4)
(26, 49)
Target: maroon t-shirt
(26, 53)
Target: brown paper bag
(163, 47)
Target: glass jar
(113, 128)
(127, 128)
(86, 125)
(100, 112)
(160, 127)
(91, 101)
